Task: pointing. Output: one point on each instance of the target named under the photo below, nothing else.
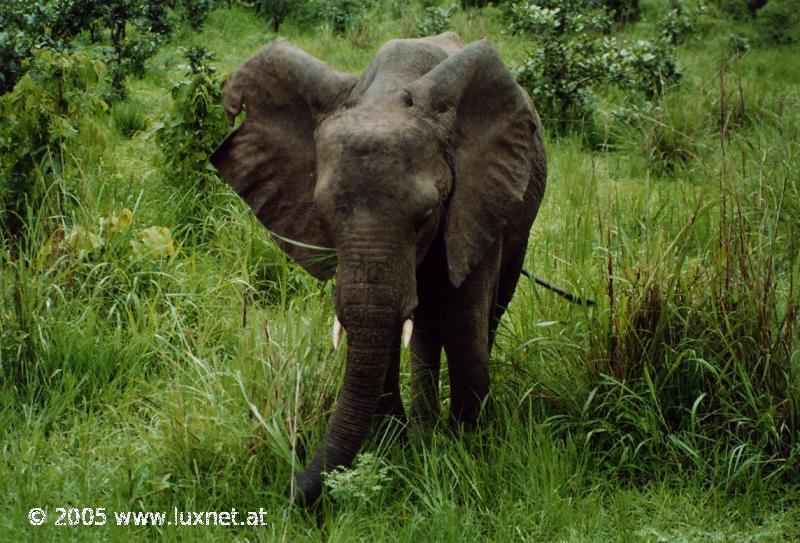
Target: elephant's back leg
(511, 269)
(515, 244)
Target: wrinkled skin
(425, 174)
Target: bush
(32, 25)
(23, 26)
(155, 18)
(45, 119)
(677, 24)
(189, 133)
(574, 55)
(340, 14)
(436, 20)
(196, 11)
(623, 10)
(779, 22)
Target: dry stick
(723, 240)
(612, 316)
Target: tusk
(337, 332)
(408, 329)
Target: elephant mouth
(338, 331)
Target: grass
(667, 412)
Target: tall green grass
(666, 412)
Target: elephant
(417, 184)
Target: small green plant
(362, 482)
(128, 118)
(189, 133)
(435, 21)
(676, 24)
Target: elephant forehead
(375, 125)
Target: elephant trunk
(371, 299)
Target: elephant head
(432, 144)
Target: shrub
(677, 24)
(574, 55)
(195, 12)
(23, 26)
(129, 54)
(436, 20)
(155, 18)
(778, 22)
(623, 10)
(189, 133)
(45, 118)
(33, 25)
(360, 483)
(340, 14)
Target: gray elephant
(425, 174)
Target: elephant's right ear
(270, 159)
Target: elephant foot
(425, 414)
(470, 415)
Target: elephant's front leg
(467, 339)
(390, 403)
(426, 352)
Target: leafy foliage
(362, 482)
(188, 134)
(23, 27)
(155, 18)
(623, 10)
(32, 25)
(435, 21)
(677, 24)
(574, 55)
(45, 118)
(341, 14)
(195, 11)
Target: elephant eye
(424, 215)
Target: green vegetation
(158, 351)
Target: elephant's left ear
(494, 134)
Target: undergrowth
(158, 350)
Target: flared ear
(270, 159)
(492, 128)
